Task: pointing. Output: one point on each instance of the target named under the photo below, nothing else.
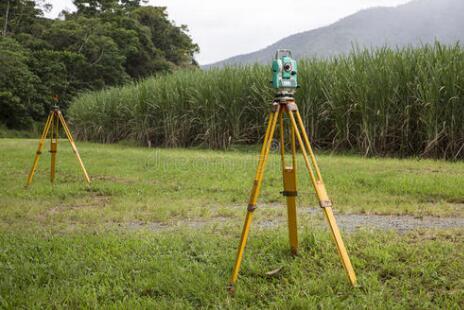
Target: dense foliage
(384, 102)
(103, 43)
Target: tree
(20, 15)
(174, 41)
(17, 86)
(97, 7)
(65, 73)
(168, 41)
(7, 15)
(134, 41)
(89, 37)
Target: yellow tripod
(285, 104)
(52, 125)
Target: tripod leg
(73, 145)
(290, 192)
(289, 180)
(322, 196)
(39, 148)
(53, 147)
(254, 194)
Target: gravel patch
(351, 222)
(346, 222)
(404, 223)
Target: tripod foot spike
(231, 289)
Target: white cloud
(227, 28)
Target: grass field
(159, 228)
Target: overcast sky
(227, 28)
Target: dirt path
(347, 222)
(351, 222)
(398, 223)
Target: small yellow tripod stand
(284, 103)
(52, 124)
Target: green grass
(70, 245)
(189, 269)
(141, 184)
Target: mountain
(411, 24)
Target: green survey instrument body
(284, 70)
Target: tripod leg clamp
(251, 208)
(325, 203)
(291, 106)
(275, 105)
(289, 193)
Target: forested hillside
(103, 43)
